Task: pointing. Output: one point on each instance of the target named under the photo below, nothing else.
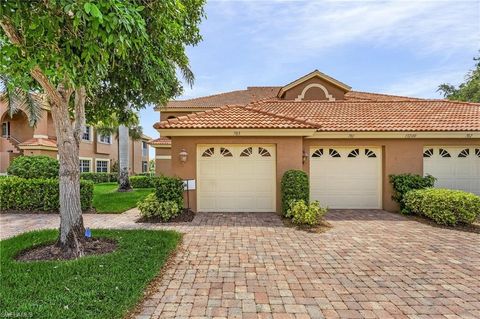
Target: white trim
(236, 132)
(400, 135)
(102, 142)
(311, 75)
(163, 157)
(314, 85)
(40, 136)
(90, 135)
(102, 160)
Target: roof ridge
(363, 101)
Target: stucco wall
(163, 166)
(399, 156)
(289, 156)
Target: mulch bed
(186, 216)
(468, 228)
(92, 246)
(321, 227)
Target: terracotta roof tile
(402, 115)
(49, 142)
(160, 141)
(235, 116)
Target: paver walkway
(372, 264)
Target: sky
(394, 47)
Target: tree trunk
(72, 231)
(123, 159)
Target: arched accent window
(208, 152)
(225, 152)
(263, 152)
(444, 153)
(318, 153)
(370, 153)
(171, 117)
(354, 153)
(334, 153)
(428, 152)
(477, 152)
(246, 152)
(464, 153)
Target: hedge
(169, 189)
(294, 187)
(40, 166)
(142, 181)
(403, 183)
(34, 194)
(444, 206)
(100, 177)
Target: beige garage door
(343, 177)
(236, 178)
(454, 167)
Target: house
(237, 145)
(97, 152)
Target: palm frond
(135, 132)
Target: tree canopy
(122, 52)
(468, 91)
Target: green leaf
(95, 11)
(88, 7)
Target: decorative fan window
(263, 152)
(246, 152)
(354, 153)
(477, 152)
(464, 153)
(333, 153)
(208, 152)
(428, 153)
(318, 153)
(370, 153)
(444, 153)
(225, 152)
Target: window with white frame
(102, 166)
(87, 133)
(144, 149)
(85, 165)
(105, 138)
(144, 166)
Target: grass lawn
(106, 199)
(105, 286)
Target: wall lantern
(183, 155)
(304, 156)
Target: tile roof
(235, 116)
(381, 116)
(400, 115)
(160, 141)
(48, 142)
(257, 93)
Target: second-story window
(144, 149)
(87, 133)
(107, 139)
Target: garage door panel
(340, 181)
(242, 182)
(461, 170)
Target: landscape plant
(403, 183)
(39, 166)
(294, 186)
(302, 213)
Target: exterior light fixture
(183, 155)
(304, 156)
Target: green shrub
(34, 167)
(294, 187)
(169, 189)
(100, 177)
(142, 181)
(151, 207)
(18, 193)
(303, 214)
(444, 206)
(404, 183)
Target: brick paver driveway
(372, 264)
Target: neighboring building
(237, 145)
(97, 152)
